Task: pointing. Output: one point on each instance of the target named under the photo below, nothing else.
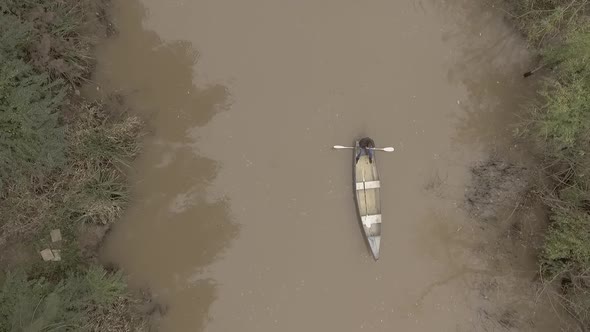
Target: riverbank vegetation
(559, 124)
(63, 161)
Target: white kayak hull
(366, 185)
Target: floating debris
(55, 235)
(51, 255)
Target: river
(242, 217)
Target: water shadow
(172, 230)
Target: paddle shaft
(387, 149)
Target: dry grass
(122, 316)
(91, 187)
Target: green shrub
(31, 138)
(60, 34)
(567, 243)
(563, 120)
(572, 56)
(560, 124)
(39, 305)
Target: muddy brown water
(242, 216)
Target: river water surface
(243, 216)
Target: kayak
(367, 196)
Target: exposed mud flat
(496, 184)
(513, 221)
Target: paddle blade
(342, 147)
(388, 149)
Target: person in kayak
(366, 145)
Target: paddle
(387, 149)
